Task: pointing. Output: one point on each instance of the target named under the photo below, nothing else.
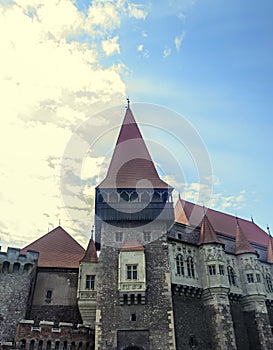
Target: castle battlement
(12, 261)
(54, 336)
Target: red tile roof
(207, 233)
(90, 253)
(131, 165)
(131, 245)
(191, 214)
(57, 249)
(242, 245)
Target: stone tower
(133, 212)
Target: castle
(166, 277)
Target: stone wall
(192, 329)
(153, 318)
(14, 291)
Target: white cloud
(178, 40)
(51, 80)
(167, 52)
(144, 52)
(110, 46)
(136, 11)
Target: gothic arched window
(231, 276)
(190, 267)
(179, 265)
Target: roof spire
(207, 233)
(269, 253)
(128, 102)
(131, 164)
(242, 245)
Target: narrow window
(258, 277)
(48, 345)
(133, 317)
(65, 345)
(221, 270)
(72, 346)
(231, 276)
(179, 265)
(190, 267)
(147, 236)
(80, 346)
(49, 295)
(125, 299)
(57, 345)
(179, 236)
(132, 298)
(250, 277)
(132, 272)
(23, 343)
(5, 267)
(90, 282)
(119, 236)
(212, 270)
(268, 281)
(40, 345)
(31, 345)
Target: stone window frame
(90, 282)
(212, 269)
(231, 275)
(179, 265)
(221, 270)
(250, 277)
(132, 272)
(119, 236)
(146, 236)
(268, 282)
(190, 267)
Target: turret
(87, 285)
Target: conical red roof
(207, 233)
(269, 253)
(90, 253)
(242, 245)
(189, 213)
(57, 249)
(131, 165)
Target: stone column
(217, 307)
(255, 309)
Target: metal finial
(128, 102)
(268, 230)
(92, 232)
(237, 220)
(252, 220)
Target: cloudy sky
(198, 70)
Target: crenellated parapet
(12, 261)
(47, 335)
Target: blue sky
(207, 61)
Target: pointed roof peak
(242, 245)
(90, 253)
(207, 232)
(131, 165)
(57, 249)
